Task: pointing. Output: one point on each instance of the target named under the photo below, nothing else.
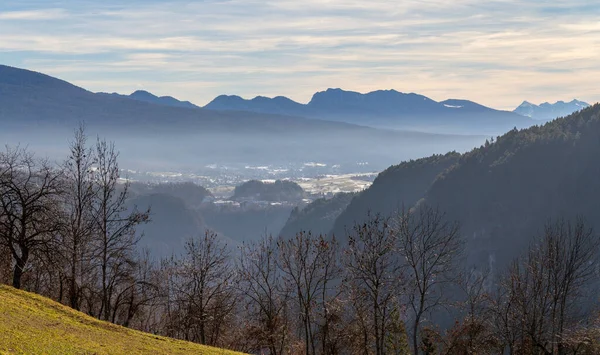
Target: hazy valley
(344, 176)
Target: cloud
(498, 52)
(34, 15)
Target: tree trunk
(73, 299)
(20, 267)
(376, 321)
(415, 334)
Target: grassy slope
(32, 324)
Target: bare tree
(203, 292)
(115, 225)
(374, 280)
(328, 308)
(139, 291)
(430, 247)
(538, 297)
(309, 267)
(78, 227)
(29, 189)
(475, 332)
(265, 296)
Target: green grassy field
(31, 324)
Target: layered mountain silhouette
(385, 108)
(34, 97)
(31, 97)
(42, 111)
(548, 111)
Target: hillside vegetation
(399, 185)
(318, 216)
(502, 192)
(31, 324)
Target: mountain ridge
(42, 110)
(384, 109)
(547, 111)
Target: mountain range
(345, 105)
(336, 102)
(163, 133)
(29, 97)
(385, 109)
(548, 111)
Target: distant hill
(548, 111)
(192, 194)
(278, 191)
(318, 216)
(145, 96)
(385, 108)
(399, 186)
(172, 222)
(249, 223)
(32, 324)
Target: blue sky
(497, 52)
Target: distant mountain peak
(142, 92)
(464, 104)
(549, 111)
(228, 98)
(143, 95)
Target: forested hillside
(502, 192)
(400, 185)
(192, 194)
(318, 216)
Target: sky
(495, 52)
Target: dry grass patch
(31, 324)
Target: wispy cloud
(497, 52)
(47, 14)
